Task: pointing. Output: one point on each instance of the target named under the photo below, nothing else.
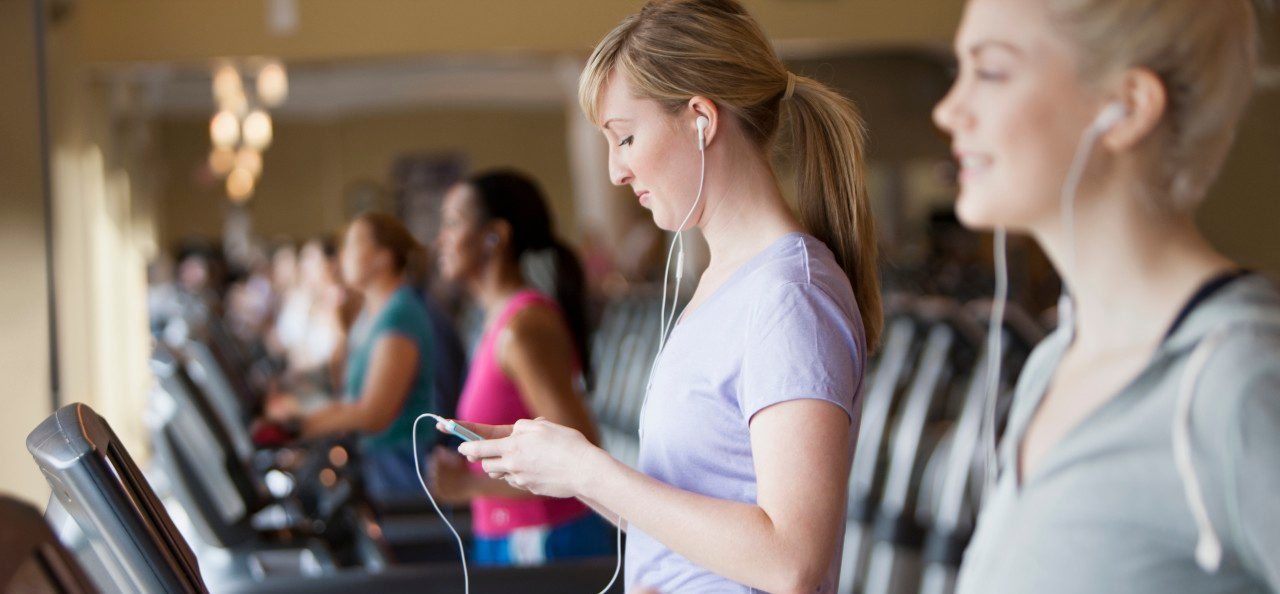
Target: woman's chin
(977, 213)
(662, 223)
(451, 275)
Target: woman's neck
(1133, 271)
(496, 283)
(380, 290)
(745, 211)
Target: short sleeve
(398, 320)
(801, 344)
(402, 319)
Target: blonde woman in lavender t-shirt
(752, 412)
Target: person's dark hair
(514, 197)
(389, 233)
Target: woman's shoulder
(1240, 382)
(799, 286)
(538, 325)
(406, 311)
(800, 265)
(532, 313)
(1241, 328)
(1235, 411)
(795, 258)
(530, 299)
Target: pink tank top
(490, 397)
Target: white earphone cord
(665, 328)
(1208, 553)
(995, 348)
(679, 240)
(466, 577)
(995, 328)
(665, 323)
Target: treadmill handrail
(919, 400)
(878, 404)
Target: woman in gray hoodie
(1143, 448)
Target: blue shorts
(585, 537)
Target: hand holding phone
(455, 429)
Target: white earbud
(1109, 117)
(702, 122)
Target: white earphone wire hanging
(665, 323)
(1106, 119)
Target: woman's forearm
(334, 418)
(604, 512)
(338, 418)
(737, 540)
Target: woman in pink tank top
(529, 363)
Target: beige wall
(162, 30)
(1242, 214)
(24, 313)
(311, 162)
(101, 190)
(1236, 218)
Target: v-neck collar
(741, 272)
(1066, 336)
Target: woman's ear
(700, 106)
(497, 235)
(1146, 101)
(384, 259)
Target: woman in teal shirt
(388, 374)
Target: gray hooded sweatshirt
(1107, 511)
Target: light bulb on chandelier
(273, 84)
(257, 130)
(224, 130)
(239, 185)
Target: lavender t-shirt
(784, 327)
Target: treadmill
(928, 408)
(241, 528)
(128, 532)
(32, 561)
(231, 507)
(98, 485)
(893, 368)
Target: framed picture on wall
(419, 183)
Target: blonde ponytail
(1205, 53)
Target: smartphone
(460, 431)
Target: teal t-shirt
(404, 315)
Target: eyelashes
(627, 141)
(956, 71)
(991, 76)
